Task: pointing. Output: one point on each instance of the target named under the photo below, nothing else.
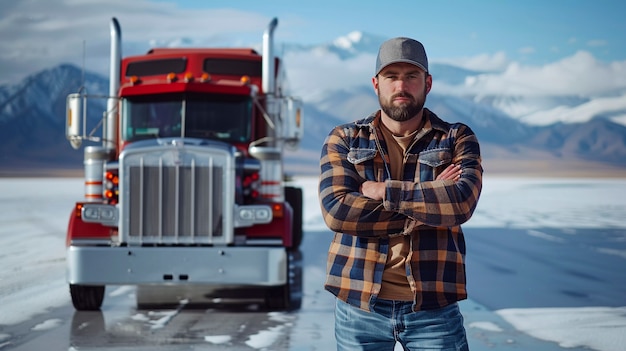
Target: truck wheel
(293, 196)
(87, 297)
(289, 296)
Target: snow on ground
(33, 221)
(543, 203)
(551, 203)
(34, 215)
(594, 327)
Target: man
(395, 188)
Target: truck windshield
(220, 117)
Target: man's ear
(375, 84)
(429, 83)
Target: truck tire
(293, 196)
(87, 297)
(289, 296)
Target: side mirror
(292, 121)
(74, 117)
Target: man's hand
(376, 190)
(373, 190)
(452, 172)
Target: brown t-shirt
(395, 285)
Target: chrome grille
(177, 195)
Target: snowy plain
(34, 214)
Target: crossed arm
(376, 190)
(353, 206)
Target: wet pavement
(486, 330)
(498, 267)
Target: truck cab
(187, 188)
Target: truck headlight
(246, 216)
(99, 213)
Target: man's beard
(403, 112)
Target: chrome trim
(100, 213)
(199, 265)
(177, 193)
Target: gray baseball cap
(401, 50)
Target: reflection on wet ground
(228, 318)
(534, 271)
(222, 326)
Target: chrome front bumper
(105, 265)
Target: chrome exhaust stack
(110, 120)
(269, 71)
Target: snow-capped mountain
(32, 118)
(538, 96)
(345, 47)
(509, 126)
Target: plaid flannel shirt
(430, 211)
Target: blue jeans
(391, 321)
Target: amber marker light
(188, 77)
(78, 209)
(113, 178)
(111, 187)
(277, 210)
(171, 77)
(205, 77)
(245, 80)
(134, 80)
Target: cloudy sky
(533, 46)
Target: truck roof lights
(205, 77)
(188, 77)
(171, 77)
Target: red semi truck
(187, 190)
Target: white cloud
(35, 35)
(579, 75)
(597, 43)
(313, 72)
(484, 62)
(580, 113)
